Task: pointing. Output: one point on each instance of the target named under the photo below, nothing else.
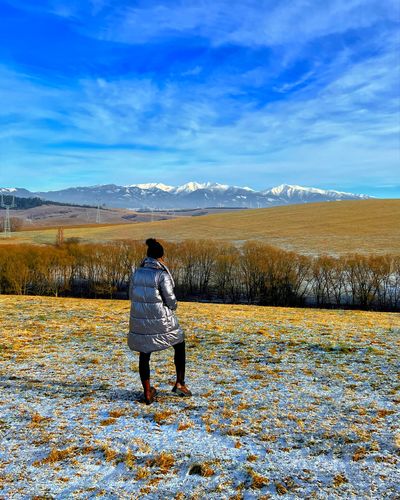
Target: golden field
(298, 402)
(365, 226)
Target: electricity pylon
(98, 218)
(7, 223)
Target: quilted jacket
(153, 325)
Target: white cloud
(246, 22)
(243, 22)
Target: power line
(7, 223)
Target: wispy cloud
(248, 22)
(269, 92)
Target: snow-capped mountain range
(191, 195)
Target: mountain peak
(152, 185)
(304, 194)
(292, 188)
(190, 187)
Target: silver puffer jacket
(153, 325)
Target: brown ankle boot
(148, 399)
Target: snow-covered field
(287, 402)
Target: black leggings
(179, 360)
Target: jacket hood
(156, 264)
(151, 262)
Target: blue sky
(247, 92)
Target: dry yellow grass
(257, 480)
(164, 461)
(367, 226)
(56, 455)
(161, 416)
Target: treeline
(35, 201)
(255, 273)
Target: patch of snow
(190, 187)
(152, 185)
(290, 191)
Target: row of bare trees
(255, 273)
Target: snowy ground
(287, 402)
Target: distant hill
(22, 203)
(158, 196)
(366, 226)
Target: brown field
(54, 216)
(365, 226)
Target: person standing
(153, 325)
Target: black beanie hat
(154, 248)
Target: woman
(153, 325)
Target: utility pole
(7, 223)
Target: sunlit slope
(368, 226)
